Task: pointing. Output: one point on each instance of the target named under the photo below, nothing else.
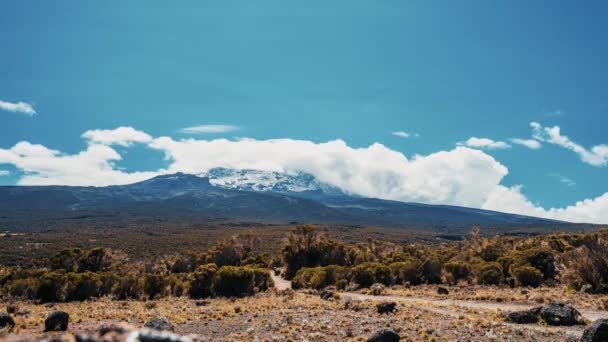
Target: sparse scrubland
(442, 290)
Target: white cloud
(401, 134)
(461, 176)
(123, 136)
(529, 143)
(484, 143)
(511, 200)
(4, 173)
(17, 107)
(209, 129)
(597, 156)
(93, 166)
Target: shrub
(366, 274)
(22, 288)
(262, 279)
(588, 264)
(66, 260)
(489, 273)
(528, 276)
(201, 280)
(50, 287)
(457, 270)
(153, 285)
(405, 272)
(233, 281)
(82, 286)
(310, 277)
(431, 271)
(128, 287)
(543, 259)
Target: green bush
(153, 285)
(489, 273)
(66, 260)
(82, 286)
(405, 272)
(528, 276)
(262, 279)
(457, 270)
(50, 287)
(310, 277)
(366, 274)
(431, 271)
(201, 280)
(233, 281)
(128, 287)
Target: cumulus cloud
(511, 200)
(209, 129)
(484, 143)
(596, 156)
(17, 107)
(529, 143)
(4, 173)
(123, 136)
(462, 176)
(44, 166)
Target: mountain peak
(176, 182)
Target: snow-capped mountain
(297, 184)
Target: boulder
(7, 322)
(386, 307)
(384, 335)
(596, 332)
(160, 324)
(523, 317)
(560, 314)
(442, 290)
(57, 321)
(377, 289)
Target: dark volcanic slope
(182, 194)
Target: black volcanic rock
(596, 332)
(57, 321)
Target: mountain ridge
(250, 195)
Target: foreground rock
(596, 332)
(159, 324)
(57, 321)
(561, 314)
(386, 307)
(384, 335)
(6, 322)
(523, 317)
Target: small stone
(523, 317)
(386, 307)
(384, 335)
(442, 290)
(160, 324)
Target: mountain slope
(247, 195)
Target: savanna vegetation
(577, 260)
(238, 266)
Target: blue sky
(442, 71)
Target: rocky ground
(421, 315)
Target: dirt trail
(454, 307)
(279, 282)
